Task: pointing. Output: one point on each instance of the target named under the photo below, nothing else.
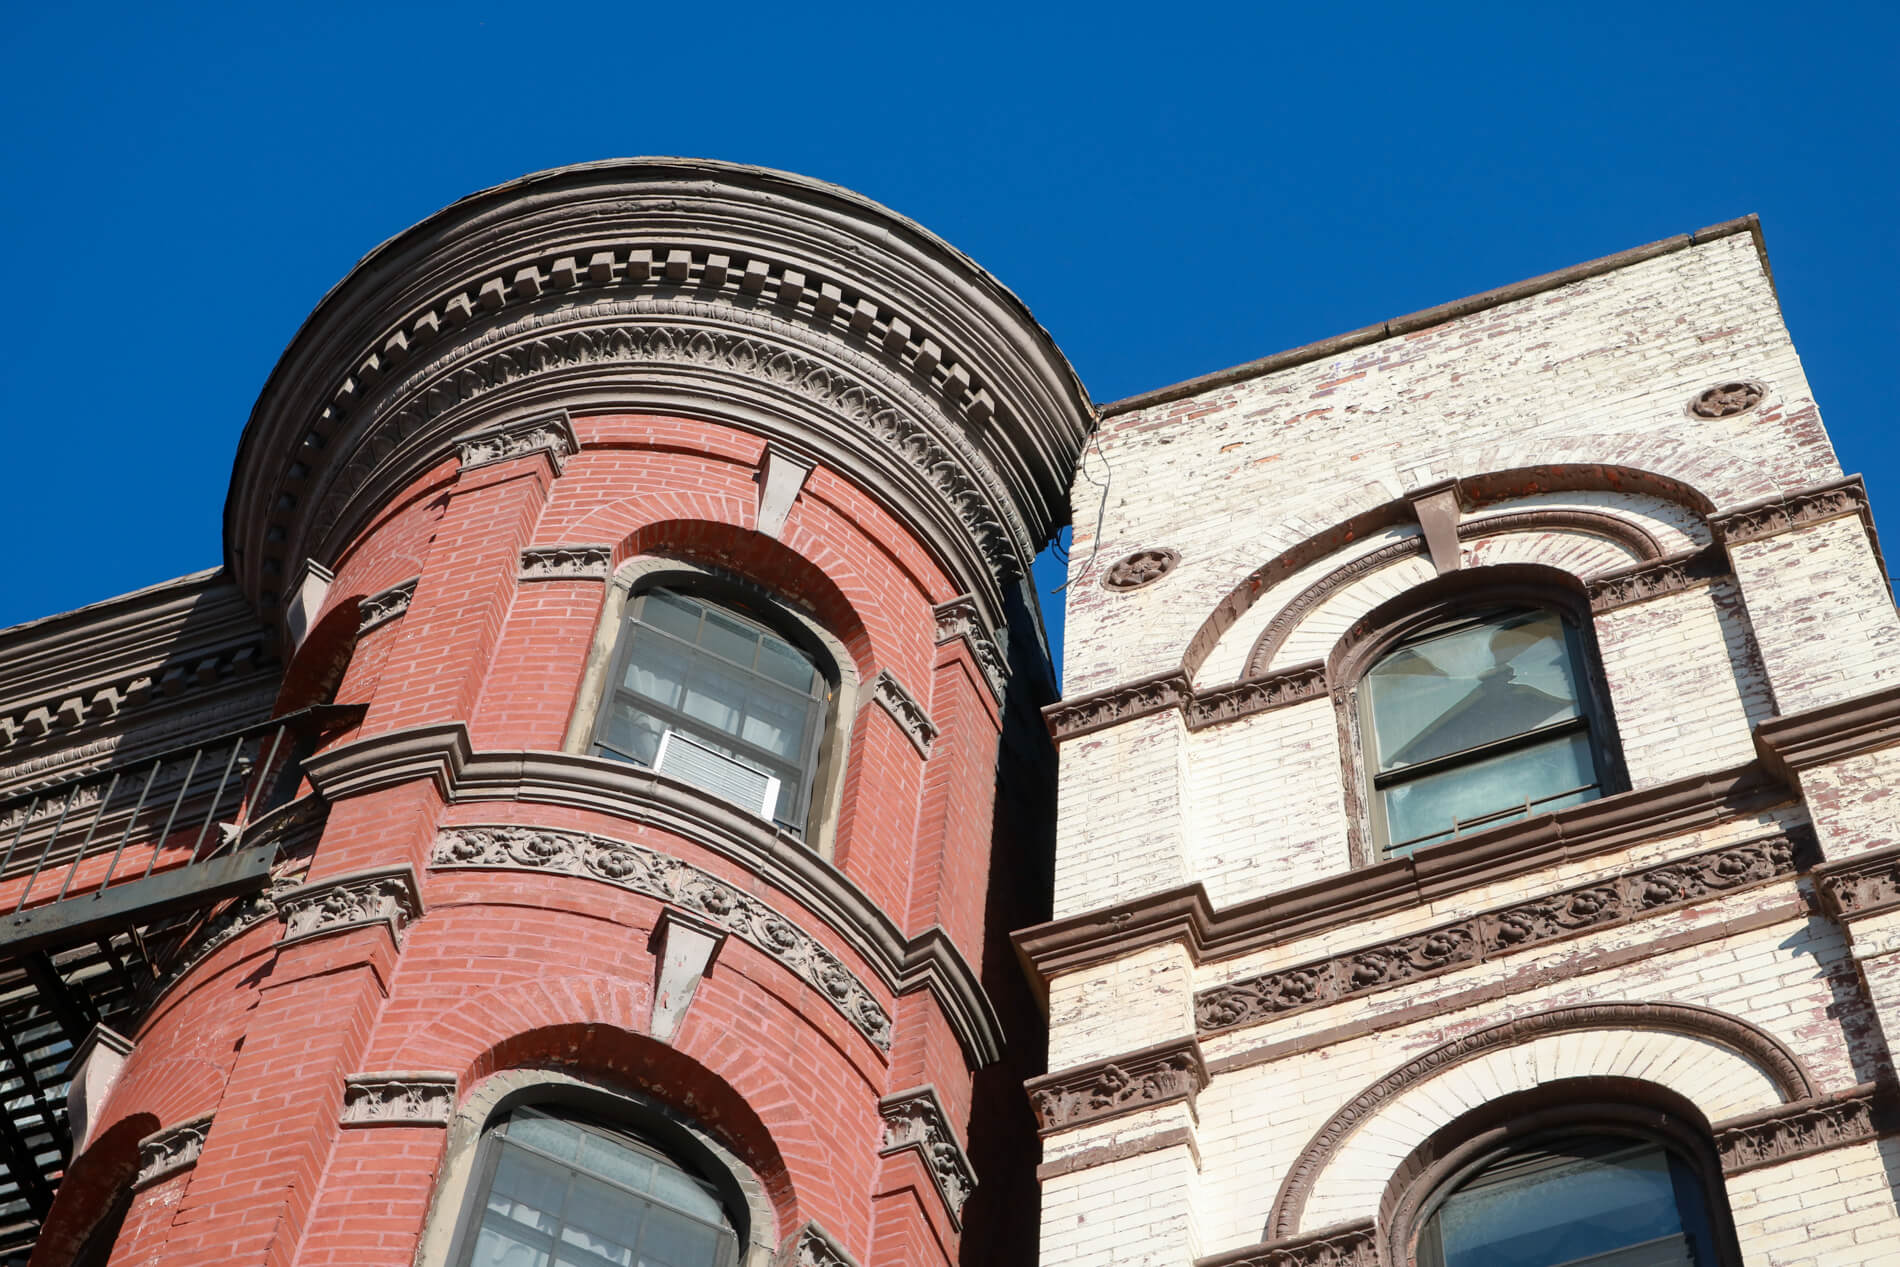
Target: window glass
(1477, 722)
(748, 704)
(564, 1193)
(1604, 1201)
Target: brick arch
(96, 1182)
(590, 1025)
(1722, 1065)
(173, 1088)
(1497, 484)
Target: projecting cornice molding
(1167, 1073)
(551, 434)
(960, 618)
(1784, 511)
(915, 1120)
(1084, 714)
(1815, 1125)
(928, 961)
(904, 709)
(775, 304)
(1185, 915)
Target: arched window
(554, 1190)
(1602, 1199)
(1476, 719)
(710, 693)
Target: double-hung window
(1479, 720)
(711, 695)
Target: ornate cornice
(959, 618)
(1505, 852)
(1653, 579)
(1086, 714)
(1757, 1046)
(812, 1246)
(398, 1099)
(164, 1153)
(1814, 1125)
(387, 896)
(1347, 1245)
(915, 1120)
(671, 880)
(1861, 885)
(1784, 511)
(929, 960)
(1506, 930)
(1167, 1073)
(773, 303)
(566, 563)
(551, 434)
(905, 711)
(383, 606)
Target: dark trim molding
(1120, 1150)
(1504, 931)
(1513, 849)
(1833, 732)
(1428, 317)
(929, 960)
(1861, 885)
(1655, 578)
(1344, 1245)
(1751, 1043)
(1805, 1127)
(1167, 1073)
(1085, 714)
(1797, 508)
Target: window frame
(833, 659)
(1468, 594)
(1643, 1112)
(456, 1203)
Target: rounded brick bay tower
(651, 539)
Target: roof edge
(1439, 314)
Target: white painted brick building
(1281, 1035)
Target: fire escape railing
(104, 878)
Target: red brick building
(638, 553)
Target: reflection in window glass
(727, 683)
(562, 1193)
(1477, 722)
(1605, 1201)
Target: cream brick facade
(1259, 1032)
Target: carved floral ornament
(1504, 931)
(1143, 567)
(905, 711)
(566, 563)
(671, 880)
(385, 605)
(1164, 1074)
(916, 1120)
(1727, 400)
(387, 896)
(164, 1153)
(398, 1099)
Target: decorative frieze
(1812, 505)
(1348, 1245)
(1143, 567)
(1296, 685)
(398, 1099)
(552, 434)
(959, 618)
(387, 895)
(566, 563)
(1816, 1125)
(669, 879)
(1497, 933)
(165, 1153)
(916, 1120)
(1645, 581)
(384, 605)
(1085, 714)
(1726, 400)
(1168, 1073)
(1861, 885)
(905, 711)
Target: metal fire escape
(109, 882)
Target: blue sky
(1172, 189)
